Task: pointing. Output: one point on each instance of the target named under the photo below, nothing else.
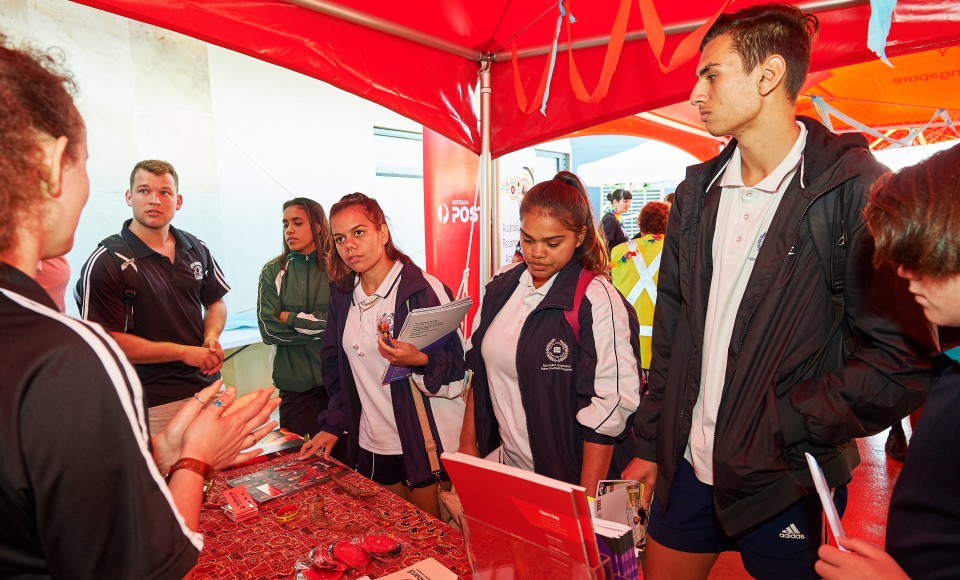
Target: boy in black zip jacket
(773, 334)
(915, 217)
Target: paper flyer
(826, 498)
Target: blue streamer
(826, 109)
(553, 56)
(820, 105)
(881, 13)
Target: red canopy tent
(421, 59)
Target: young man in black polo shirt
(178, 312)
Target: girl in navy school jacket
(377, 284)
(577, 392)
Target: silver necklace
(367, 304)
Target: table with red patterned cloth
(264, 547)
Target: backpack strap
(129, 273)
(429, 444)
(573, 315)
(832, 249)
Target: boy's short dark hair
(765, 29)
(156, 167)
(914, 216)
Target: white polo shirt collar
(731, 175)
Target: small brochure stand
(496, 554)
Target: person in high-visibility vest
(634, 267)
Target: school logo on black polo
(197, 268)
(557, 353)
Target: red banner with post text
(452, 216)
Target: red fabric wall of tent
(436, 88)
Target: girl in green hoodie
(292, 311)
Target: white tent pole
(677, 28)
(386, 26)
(487, 181)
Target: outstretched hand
(168, 443)
(215, 436)
(322, 443)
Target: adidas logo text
(792, 533)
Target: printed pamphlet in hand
(618, 500)
(428, 327)
(834, 528)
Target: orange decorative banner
(656, 38)
(610, 59)
(688, 47)
(518, 87)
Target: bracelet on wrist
(206, 471)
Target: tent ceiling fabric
(436, 88)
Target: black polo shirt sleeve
(100, 292)
(215, 284)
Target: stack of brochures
(616, 543)
(428, 327)
(618, 500)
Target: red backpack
(573, 315)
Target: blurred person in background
(635, 267)
(612, 222)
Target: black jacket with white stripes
(79, 492)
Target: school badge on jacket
(557, 353)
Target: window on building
(398, 153)
(548, 163)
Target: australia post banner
(449, 190)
